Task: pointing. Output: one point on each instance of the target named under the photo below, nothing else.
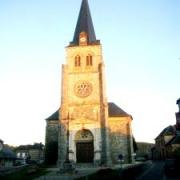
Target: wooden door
(84, 152)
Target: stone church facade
(86, 128)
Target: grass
(26, 173)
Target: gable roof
(54, 116)
(7, 153)
(175, 139)
(84, 24)
(113, 111)
(168, 130)
(38, 146)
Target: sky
(141, 51)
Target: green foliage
(27, 173)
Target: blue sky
(141, 50)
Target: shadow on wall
(51, 153)
(121, 144)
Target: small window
(89, 60)
(77, 61)
(23, 155)
(18, 154)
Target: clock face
(83, 39)
(83, 89)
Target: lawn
(26, 173)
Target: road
(155, 172)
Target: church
(87, 128)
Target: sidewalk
(55, 175)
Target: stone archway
(84, 146)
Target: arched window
(84, 135)
(77, 61)
(89, 60)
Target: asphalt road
(155, 172)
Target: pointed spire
(84, 24)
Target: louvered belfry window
(89, 60)
(77, 61)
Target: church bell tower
(83, 115)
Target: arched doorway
(84, 146)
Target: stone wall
(51, 145)
(120, 138)
(84, 111)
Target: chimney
(178, 103)
(178, 115)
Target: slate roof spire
(84, 24)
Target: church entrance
(84, 146)
(84, 152)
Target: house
(173, 146)
(167, 143)
(33, 152)
(7, 156)
(160, 149)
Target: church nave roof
(113, 111)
